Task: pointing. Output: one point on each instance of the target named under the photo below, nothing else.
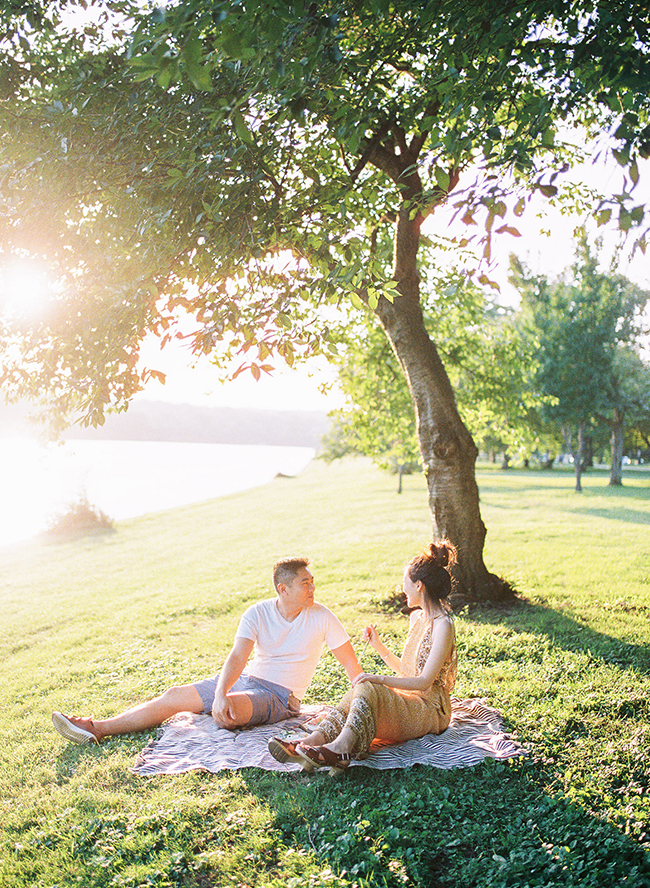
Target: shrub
(80, 518)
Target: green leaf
(192, 55)
(624, 219)
(165, 76)
(442, 178)
(548, 137)
(622, 156)
(241, 129)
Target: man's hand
(223, 711)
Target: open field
(96, 624)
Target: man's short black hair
(286, 570)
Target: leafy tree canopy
(162, 161)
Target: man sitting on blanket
(287, 635)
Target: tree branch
(368, 150)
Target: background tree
(377, 419)
(487, 362)
(176, 171)
(630, 386)
(581, 323)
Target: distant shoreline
(187, 424)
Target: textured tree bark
(448, 451)
(616, 471)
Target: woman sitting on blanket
(410, 704)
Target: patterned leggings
(370, 710)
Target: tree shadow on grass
(569, 634)
(493, 824)
(533, 821)
(595, 483)
(628, 516)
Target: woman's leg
(330, 727)
(377, 711)
(351, 727)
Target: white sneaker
(75, 732)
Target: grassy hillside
(93, 625)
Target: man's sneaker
(78, 730)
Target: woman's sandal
(322, 757)
(286, 751)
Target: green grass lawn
(94, 625)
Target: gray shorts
(270, 701)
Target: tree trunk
(577, 460)
(616, 471)
(448, 451)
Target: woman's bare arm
(443, 639)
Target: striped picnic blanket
(193, 742)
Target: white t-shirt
(287, 652)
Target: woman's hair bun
(443, 552)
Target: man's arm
(348, 659)
(232, 669)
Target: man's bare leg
(183, 698)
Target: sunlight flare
(24, 289)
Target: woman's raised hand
(371, 635)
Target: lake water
(127, 478)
